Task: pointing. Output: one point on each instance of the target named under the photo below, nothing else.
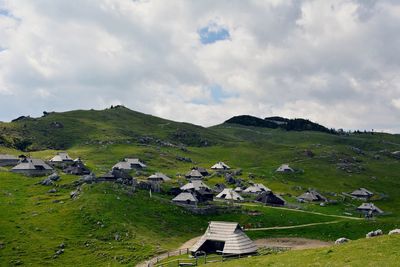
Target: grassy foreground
(379, 251)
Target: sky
(333, 62)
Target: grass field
(107, 225)
(380, 251)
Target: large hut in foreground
(224, 237)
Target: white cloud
(334, 61)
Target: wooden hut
(220, 166)
(229, 194)
(8, 160)
(158, 177)
(269, 198)
(32, 167)
(185, 198)
(227, 238)
(312, 195)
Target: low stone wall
(209, 209)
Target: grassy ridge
(116, 125)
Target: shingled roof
(129, 164)
(194, 174)
(270, 198)
(158, 176)
(220, 166)
(284, 168)
(369, 207)
(312, 195)
(185, 197)
(235, 241)
(362, 192)
(32, 164)
(194, 186)
(256, 189)
(61, 157)
(229, 194)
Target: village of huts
(191, 191)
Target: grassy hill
(108, 225)
(114, 125)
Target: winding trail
(292, 226)
(304, 211)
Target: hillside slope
(115, 125)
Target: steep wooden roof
(236, 241)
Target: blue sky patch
(213, 33)
(218, 94)
(5, 12)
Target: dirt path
(291, 226)
(292, 243)
(304, 211)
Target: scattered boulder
(396, 154)
(56, 124)
(88, 179)
(47, 182)
(342, 240)
(230, 179)
(54, 177)
(51, 191)
(237, 172)
(308, 153)
(117, 237)
(394, 232)
(58, 253)
(62, 245)
(357, 150)
(75, 194)
(184, 159)
(374, 233)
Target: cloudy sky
(334, 62)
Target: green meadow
(108, 225)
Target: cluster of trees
(279, 122)
(290, 125)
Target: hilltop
(62, 130)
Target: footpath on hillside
(303, 211)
